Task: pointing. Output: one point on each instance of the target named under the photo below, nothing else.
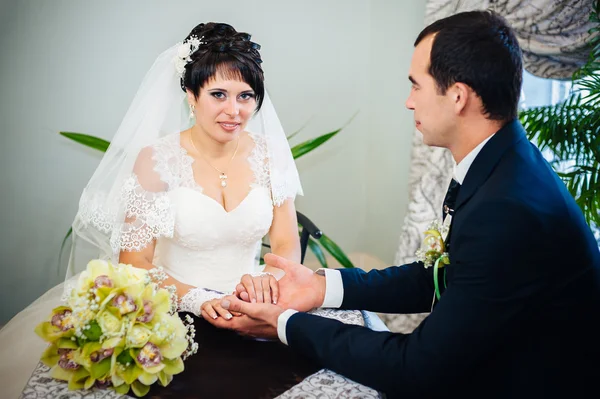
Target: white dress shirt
(334, 287)
(460, 169)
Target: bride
(197, 174)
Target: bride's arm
(143, 259)
(283, 235)
(191, 299)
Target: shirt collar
(460, 169)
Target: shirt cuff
(282, 323)
(334, 288)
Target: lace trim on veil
(152, 214)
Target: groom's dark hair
(479, 49)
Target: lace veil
(119, 199)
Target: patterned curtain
(553, 35)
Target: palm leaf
(62, 246)
(571, 131)
(87, 140)
(335, 251)
(307, 146)
(316, 249)
(299, 130)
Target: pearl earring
(192, 111)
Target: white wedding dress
(198, 242)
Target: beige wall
(72, 65)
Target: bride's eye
(218, 95)
(247, 96)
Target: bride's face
(224, 107)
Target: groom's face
(433, 111)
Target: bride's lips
(229, 126)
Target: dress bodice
(198, 242)
(210, 247)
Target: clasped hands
(254, 308)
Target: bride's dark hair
(227, 52)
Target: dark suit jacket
(520, 312)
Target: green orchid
(64, 359)
(157, 359)
(169, 336)
(97, 360)
(118, 332)
(59, 325)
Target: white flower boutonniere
(433, 251)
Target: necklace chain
(222, 174)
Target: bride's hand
(261, 288)
(213, 309)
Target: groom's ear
(460, 94)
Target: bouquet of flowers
(119, 329)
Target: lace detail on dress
(187, 173)
(283, 191)
(173, 164)
(92, 210)
(259, 162)
(193, 300)
(149, 214)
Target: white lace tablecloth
(323, 384)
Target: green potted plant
(570, 130)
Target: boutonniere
(433, 251)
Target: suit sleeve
(486, 301)
(396, 289)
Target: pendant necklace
(222, 174)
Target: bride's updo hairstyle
(224, 51)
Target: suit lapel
(480, 170)
(488, 157)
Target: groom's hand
(300, 288)
(257, 319)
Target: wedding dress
(124, 207)
(200, 243)
(205, 246)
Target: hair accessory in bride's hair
(184, 52)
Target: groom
(519, 312)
